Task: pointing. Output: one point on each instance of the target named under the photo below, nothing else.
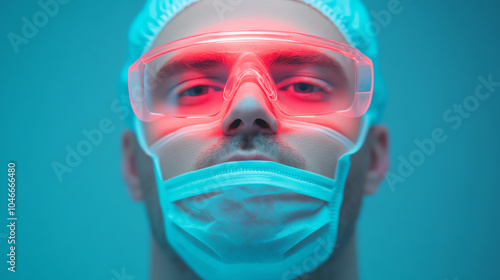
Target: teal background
(442, 222)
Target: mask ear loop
(344, 162)
(141, 138)
(341, 173)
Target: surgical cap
(349, 16)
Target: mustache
(265, 144)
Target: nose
(249, 112)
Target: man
(243, 138)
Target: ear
(379, 158)
(129, 164)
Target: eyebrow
(212, 60)
(286, 59)
(291, 58)
(199, 62)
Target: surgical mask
(252, 219)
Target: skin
(240, 131)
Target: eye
(199, 90)
(305, 88)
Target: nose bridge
(248, 66)
(248, 89)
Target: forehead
(272, 15)
(272, 54)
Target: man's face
(251, 127)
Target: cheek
(320, 153)
(156, 130)
(181, 155)
(349, 127)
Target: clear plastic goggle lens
(298, 78)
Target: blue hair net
(349, 16)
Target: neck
(341, 266)
(168, 266)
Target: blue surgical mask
(253, 219)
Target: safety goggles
(301, 75)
